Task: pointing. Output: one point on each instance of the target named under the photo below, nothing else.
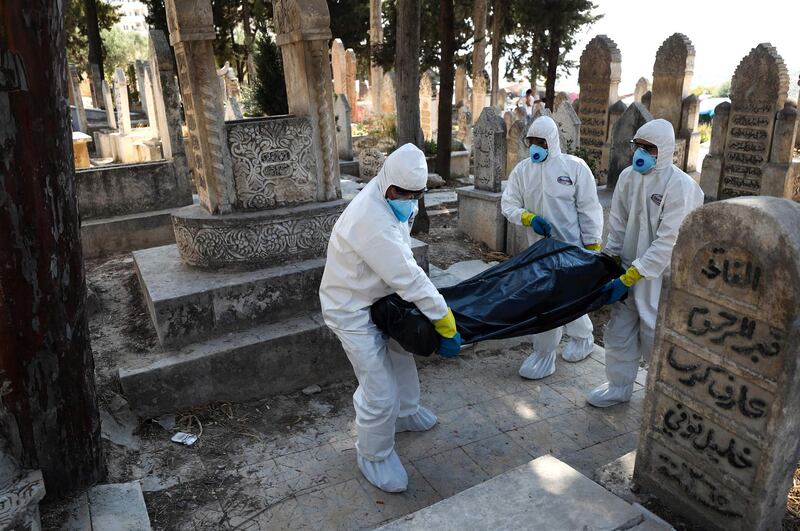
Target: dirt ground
(140, 449)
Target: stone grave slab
(719, 440)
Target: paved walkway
(303, 475)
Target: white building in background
(132, 15)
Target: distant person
(529, 102)
(554, 194)
(369, 257)
(650, 201)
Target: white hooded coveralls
(369, 257)
(561, 189)
(646, 213)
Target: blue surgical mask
(402, 208)
(643, 161)
(538, 153)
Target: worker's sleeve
(392, 260)
(657, 257)
(618, 217)
(511, 202)
(590, 213)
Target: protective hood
(660, 133)
(545, 127)
(406, 168)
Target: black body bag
(546, 286)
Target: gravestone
(97, 90)
(370, 162)
(464, 129)
(388, 101)
(635, 116)
(229, 85)
(461, 85)
(719, 443)
(515, 144)
(560, 98)
(121, 102)
(350, 84)
(502, 99)
(109, 105)
(76, 99)
(642, 87)
(149, 101)
(508, 118)
(743, 162)
(344, 139)
(670, 98)
(480, 216)
(339, 67)
(426, 105)
(489, 150)
(598, 78)
(140, 67)
(569, 126)
(648, 96)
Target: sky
(722, 33)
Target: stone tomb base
(232, 335)
(480, 217)
(105, 236)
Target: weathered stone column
(642, 87)
(141, 69)
(338, 66)
(109, 105)
(191, 33)
(426, 105)
(350, 83)
(460, 85)
(719, 442)
(303, 31)
(344, 138)
(598, 78)
(121, 102)
(76, 99)
(690, 123)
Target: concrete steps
(544, 494)
(110, 507)
(260, 361)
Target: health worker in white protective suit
(554, 194)
(650, 201)
(369, 257)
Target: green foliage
(705, 132)
(75, 28)
(723, 90)
(269, 94)
(350, 22)
(430, 147)
(122, 48)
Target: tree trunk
(498, 16)
(479, 13)
(48, 407)
(407, 88)
(553, 53)
(249, 43)
(93, 35)
(446, 80)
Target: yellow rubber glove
(527, 218)
(446, 326)
(592, 247)
(631, 276)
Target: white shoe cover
(578, 348)
(422, 420)
(389, 475)
(608, 395)
(538, 366)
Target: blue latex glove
(541, 226)
(450, 347)
(616, 291)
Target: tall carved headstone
(719, 441)
(515, 144)
(350, 83)
(744, 166)
(344, 138)
(339, 67)
(388, 97)
(141, 66)
(489, 150)
(635, 116)
(464, 126)
(502, 99)
(166, 95)
(598, 78)
(121, 102)
(426, 105)
(149, 102)
(642, 87)
(191, 33)
(672, 77)
(303, 31)
(569, 126)
(461, 85)
(76, 99)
